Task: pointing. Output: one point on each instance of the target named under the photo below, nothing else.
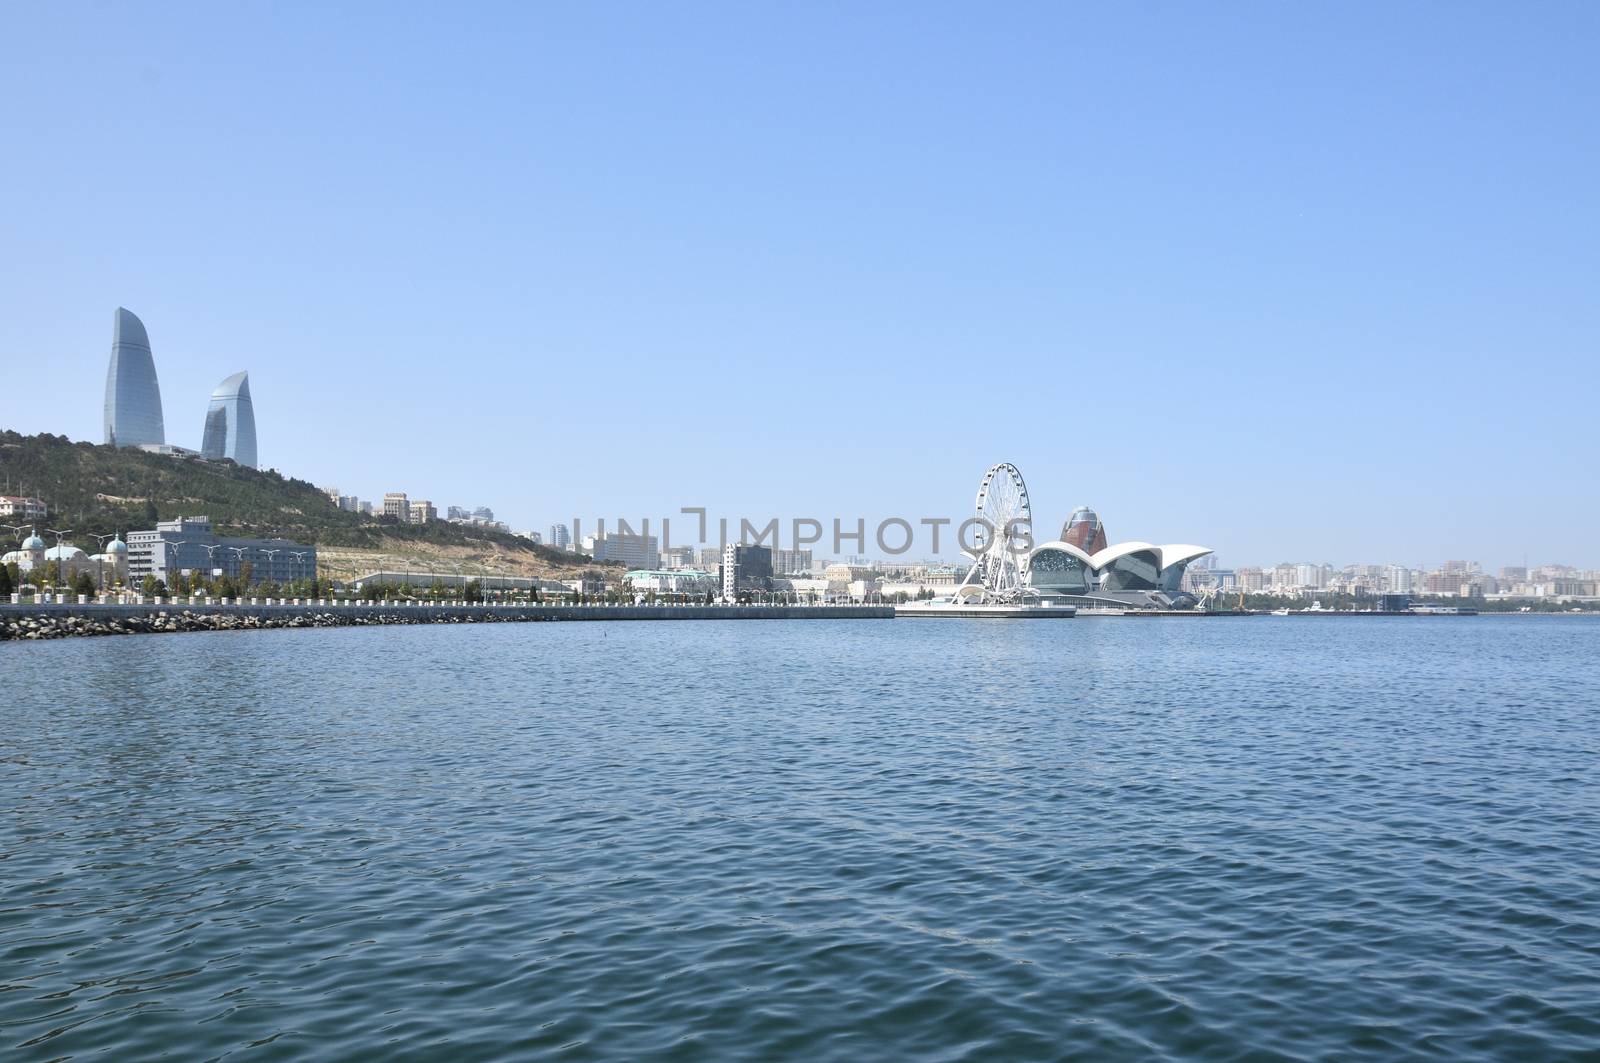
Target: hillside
(97, 490)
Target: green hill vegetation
(98, 490)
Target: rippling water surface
(1225, 839)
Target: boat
(1280, 612)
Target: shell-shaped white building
(1125, 574)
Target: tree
(83, 584)
(150, 514)
(6, 586)
(247, 573)
(473, 591)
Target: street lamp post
(164, 565)
(61, 562)
(101, 564)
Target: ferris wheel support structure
(999, 573)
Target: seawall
(64, 620)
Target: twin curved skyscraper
(133, 398)
(231, 423)
(133, 401)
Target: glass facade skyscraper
(133, 397)
(231, 423)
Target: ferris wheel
(1000, 568)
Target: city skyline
(1346, 326)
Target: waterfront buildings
(850, 582)
(671, 581)
(133, 397)
(66, 561)
(190, 544)
(418, 580)
(635, 550)
(745, 567)
(231, 423)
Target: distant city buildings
(791, 562)
(635, 550)
(560, 537)
(423, 511)
(679, 557)
(397, 505)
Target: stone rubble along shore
(46, 626)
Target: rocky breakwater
(70, 625)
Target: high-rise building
(744, 564)
(1398, 580)
(560, 537)
(1310, 577)
(231, 423)
(398, 506)
(1084, 530)
(422, 511)
(133, 397)
(789, 562)
(677, 557)
(634, 550)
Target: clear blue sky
(1294, 281)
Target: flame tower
(133, 397)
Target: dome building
(111, 565)
(28, 556)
